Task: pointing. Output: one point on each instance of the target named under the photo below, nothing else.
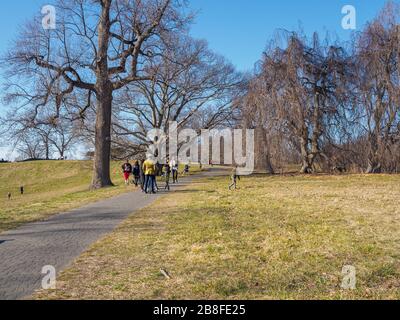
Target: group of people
(145, 172)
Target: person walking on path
(127, 170)
(234, 178)
(167, 176)
(186, 170)
(142, 176)
(175, 171)
(136, 173)
(159, 169)
(160, 173)
(149, 168)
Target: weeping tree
(304, 82)
(98, 48)
(330, 106)
(377, 52)
(256, 113)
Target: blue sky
(237, 29)
(240, 29)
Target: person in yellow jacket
(149, 168)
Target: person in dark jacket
(142, 176)
(168, 171)
(186, 169)
(136, 173)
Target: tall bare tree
(378, 87)
(304, 82)
(98, 48)
(192, 86)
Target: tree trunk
(47, 148)
(269, 167)
(104, 95)
(102, 154)
(307, 166)
(374, 162)
(262, 154)
(47, 152)
(374, 166)
(267, 154)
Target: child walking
(167, 176)
(127, 169)
(234, 178)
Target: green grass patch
(51, 187)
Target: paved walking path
(58, 240)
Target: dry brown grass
(275, 238)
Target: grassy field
(50, 187)
(281, 237)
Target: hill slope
(50, 187)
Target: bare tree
(31, 147)
(303, 82)
(64, 137)
(255, 113)
(338, 107)
(193, 87)
(332, 107)
(98, 48)
(378, 87)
